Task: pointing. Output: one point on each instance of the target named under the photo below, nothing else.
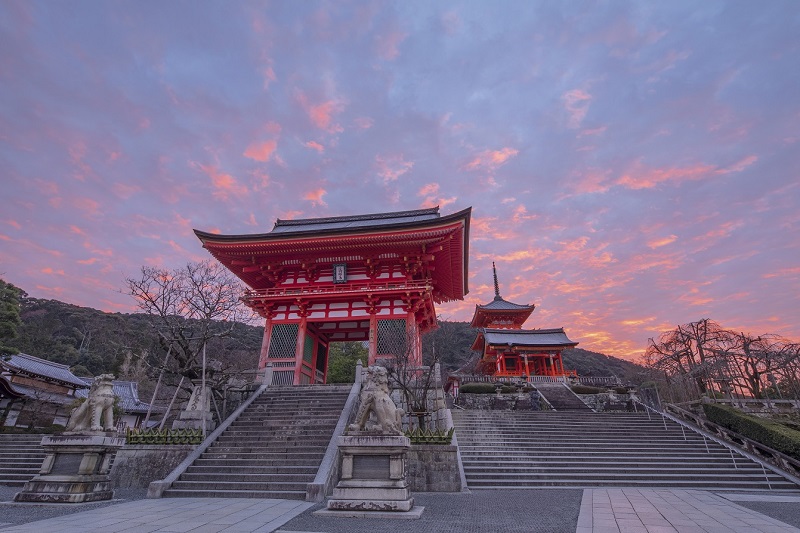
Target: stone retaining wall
(501, 402)
(607, 402)
(137, 465)
(433, 468)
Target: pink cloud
(389, 43)
(321, 115)
(90, 261)
(77, 230)
(576, 103)
(430, 188)
(125, 191)
(51, 271)
(225, 185)
(87, 205)
(491, 158)
(663, 241)
(790, 272)
(363, 123)
(14, 224)
(392, 167)
(646, 178)
(315, 146)
(593, 131)
(261, 151)
(739, 165)
(315, 197)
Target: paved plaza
(547, 510)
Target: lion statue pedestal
(76, 467)
(373, 476)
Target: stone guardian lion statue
(376, 401)
(97, 412)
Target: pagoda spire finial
(496, 285)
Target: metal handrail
(730, 446)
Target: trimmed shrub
(477, 388)
(767, 432)
(508, 389)
(584, 389)
(621, 390)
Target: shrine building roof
(499, 304)
(35, 366)
(340, 225)
(354, 221)
(487, 315)
(528, 337)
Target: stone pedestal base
(194, 420)
(75, 470)
(373, 474)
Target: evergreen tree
(9, 316)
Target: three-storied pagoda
(369, 278)
(507, 350)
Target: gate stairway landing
(272, 450)
(21, 458)
(561, 397)
(524, 449)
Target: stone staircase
(517, 449)
(273, 450)
(21, 457)
(561, 397)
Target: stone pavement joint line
(669, 511)
(175, 515)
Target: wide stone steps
(546, 449)
(273, 450)
(21, 458)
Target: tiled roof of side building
(530, 337)
(47, 369)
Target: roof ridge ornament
(496, 285)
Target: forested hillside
(92, 342)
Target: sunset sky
(631, 165)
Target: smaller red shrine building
(507, 350)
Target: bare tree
(416, 383)
(188, 308)
(707, 356)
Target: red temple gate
(373, 278)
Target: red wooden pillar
(262, 358)
(373, 338)
(298, 350)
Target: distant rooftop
(34, 365)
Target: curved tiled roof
(499, 304)
(528, 337)
(41, 367)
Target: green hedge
(584, 389)
(477, 388)
(767, 432)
